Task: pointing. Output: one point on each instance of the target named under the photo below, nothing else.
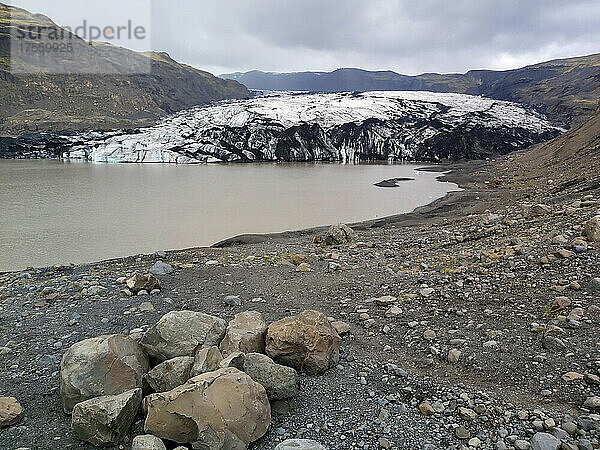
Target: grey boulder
(179, 333)
(339, 234)
(104, 421)
(279, 381)
(544, 441)
(161, 268)
(106, 365)
(170, 374)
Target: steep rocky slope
(118, 97)
(565, 89)
(309, 127)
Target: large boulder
(206, 360)
(139, 282)
(306, 342)
(179, 333)
(592, 229)
(147, 442)
(544, 441)
(279, 381)
(245, 333)
(106, 365)
(300, 444)
(224, 409)
(339, 234)
(170, 374)
(11, 411)
(104, 421)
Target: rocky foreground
(471, 323)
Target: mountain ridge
(42, 101)
(565, 89)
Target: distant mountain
(48, 102)
(567, 90)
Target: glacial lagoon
(60, 212)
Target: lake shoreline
(457, 172)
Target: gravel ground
(472, 354)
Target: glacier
(347, 127)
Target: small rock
(393, 311)
(592, 403)
(462, 433)
(429, 335)
(304, 267)
(233, 300)
(139, 282)
(386, 300)
(454, 355)
(161, 268)
(474, 442)
(342, 328)
(521, 444)
(427, 292)
(592, 229)
(300, 444)
(298, 259)
(11, 412)
(147, 442)
(426, 409)
(339, 234)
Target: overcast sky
(407, 36)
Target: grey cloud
(405, 36)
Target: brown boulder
(11, 412)
(206, 360)
(139, 282)
(592, 229)
(224, 409)
(306, 342)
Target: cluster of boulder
(197, 379)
